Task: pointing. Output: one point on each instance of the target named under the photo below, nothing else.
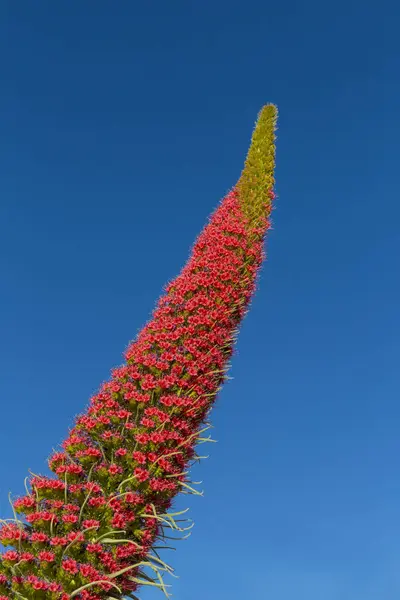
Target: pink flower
(121, 452)
(141, 474)
(11, 555)
(70, 566)
(70, 518)
(90, 524)
(47, 556)
(114, 469)
(140, 457)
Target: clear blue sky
(122, 124)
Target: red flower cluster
(86, 533)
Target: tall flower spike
(92, 530)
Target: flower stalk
(93, 530)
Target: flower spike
(92, 531)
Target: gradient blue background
(121, 125)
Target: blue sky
(122, 124)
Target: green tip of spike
(257, 179)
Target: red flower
(11, 533)
(25, 502)
(47, 556)
(27, 557)
(59, 541)
(90, 524)
(142, 438)
(97, 501)
(68, 518)
(39, 537)
(93, 487)
(36, 583)
(139, 457)
(133, 498)
(114, 469)
(43, 515)
(94, 548)
(70, 566)
(121, 452)
(118, 521)
(11, 555)
(145, 422)
(71, 507)
(141, 474)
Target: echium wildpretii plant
(93, 530)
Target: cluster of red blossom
(84, 533)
